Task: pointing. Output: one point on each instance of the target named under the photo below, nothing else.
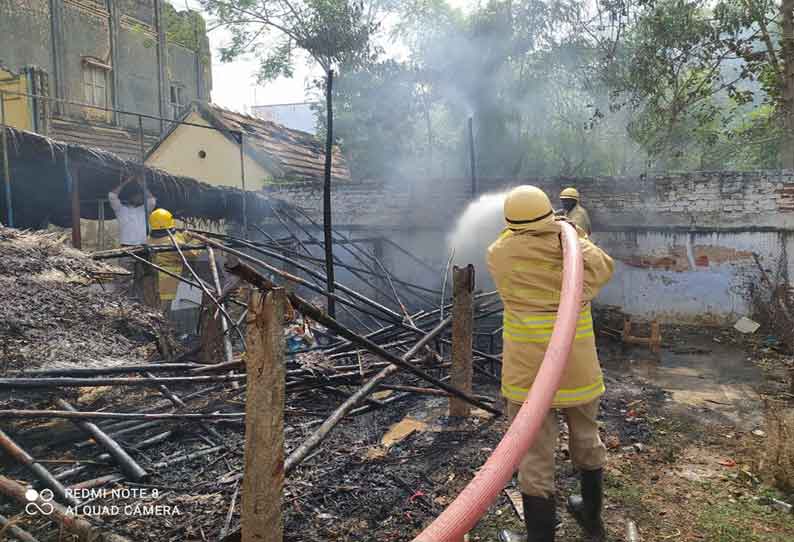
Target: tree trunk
(329, 248)
(787, 52)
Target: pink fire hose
(475, 499)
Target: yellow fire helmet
(160, 219)
(527, 208)
(570, 193)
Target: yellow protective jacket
(170, 261)
(579, 216)
(527, 269)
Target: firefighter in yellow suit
(572, 208)
(526, 265)
(160, 222)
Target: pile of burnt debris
(109, 430)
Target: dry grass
(778, 458)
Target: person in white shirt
(131, 212)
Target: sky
(234, 83)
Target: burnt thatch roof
(40, 184)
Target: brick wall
(715, 200)
(683, 243)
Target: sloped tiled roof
(290, 155)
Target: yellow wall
(179, 155)
(16, 107)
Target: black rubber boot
(540, 519)
(586, 509)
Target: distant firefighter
(574, 210)
(161, 222)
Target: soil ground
(682, 455)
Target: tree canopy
(554, 87)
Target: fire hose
(475, 499)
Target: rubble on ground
(56, 311)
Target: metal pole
(471, 159)
(101, 226)
(6, 160)
(327, 227)
(242, 182)
(142, 151)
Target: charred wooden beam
(128, 465)
(15, 532)
(37, 469)
(307, 446)
(385, 311)
(254, 277)
(117, 369)
(68, 414)
(68, 382)
(138, 251)
(71, 522)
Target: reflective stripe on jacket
(527, 270)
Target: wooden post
(261, 516)
(210, 333)
(77, 241)
(150, 285)
(462, 328)
(656, 337)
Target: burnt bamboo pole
(118, 369)
(82, 415)
(346, 247)
(428, 391)
(162, 404)
(419, 316)
(138, 250)
(127, 464)
(338, 261)
(395, 317)
(347, 266)
(97, 482)
(203, 286)
(179, 278)
(317, 275)
(140, 445)
(307, 446)
(179, 403)
(227, 342)
(276, 245)
(123, 431)
(68, 382)
(15, 532)
(36, 469)
(301, 244)
(250, 275)
(70, 522)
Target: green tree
(695, 71)
(331, 32)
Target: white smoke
(478, 227)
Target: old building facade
(136, 56)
